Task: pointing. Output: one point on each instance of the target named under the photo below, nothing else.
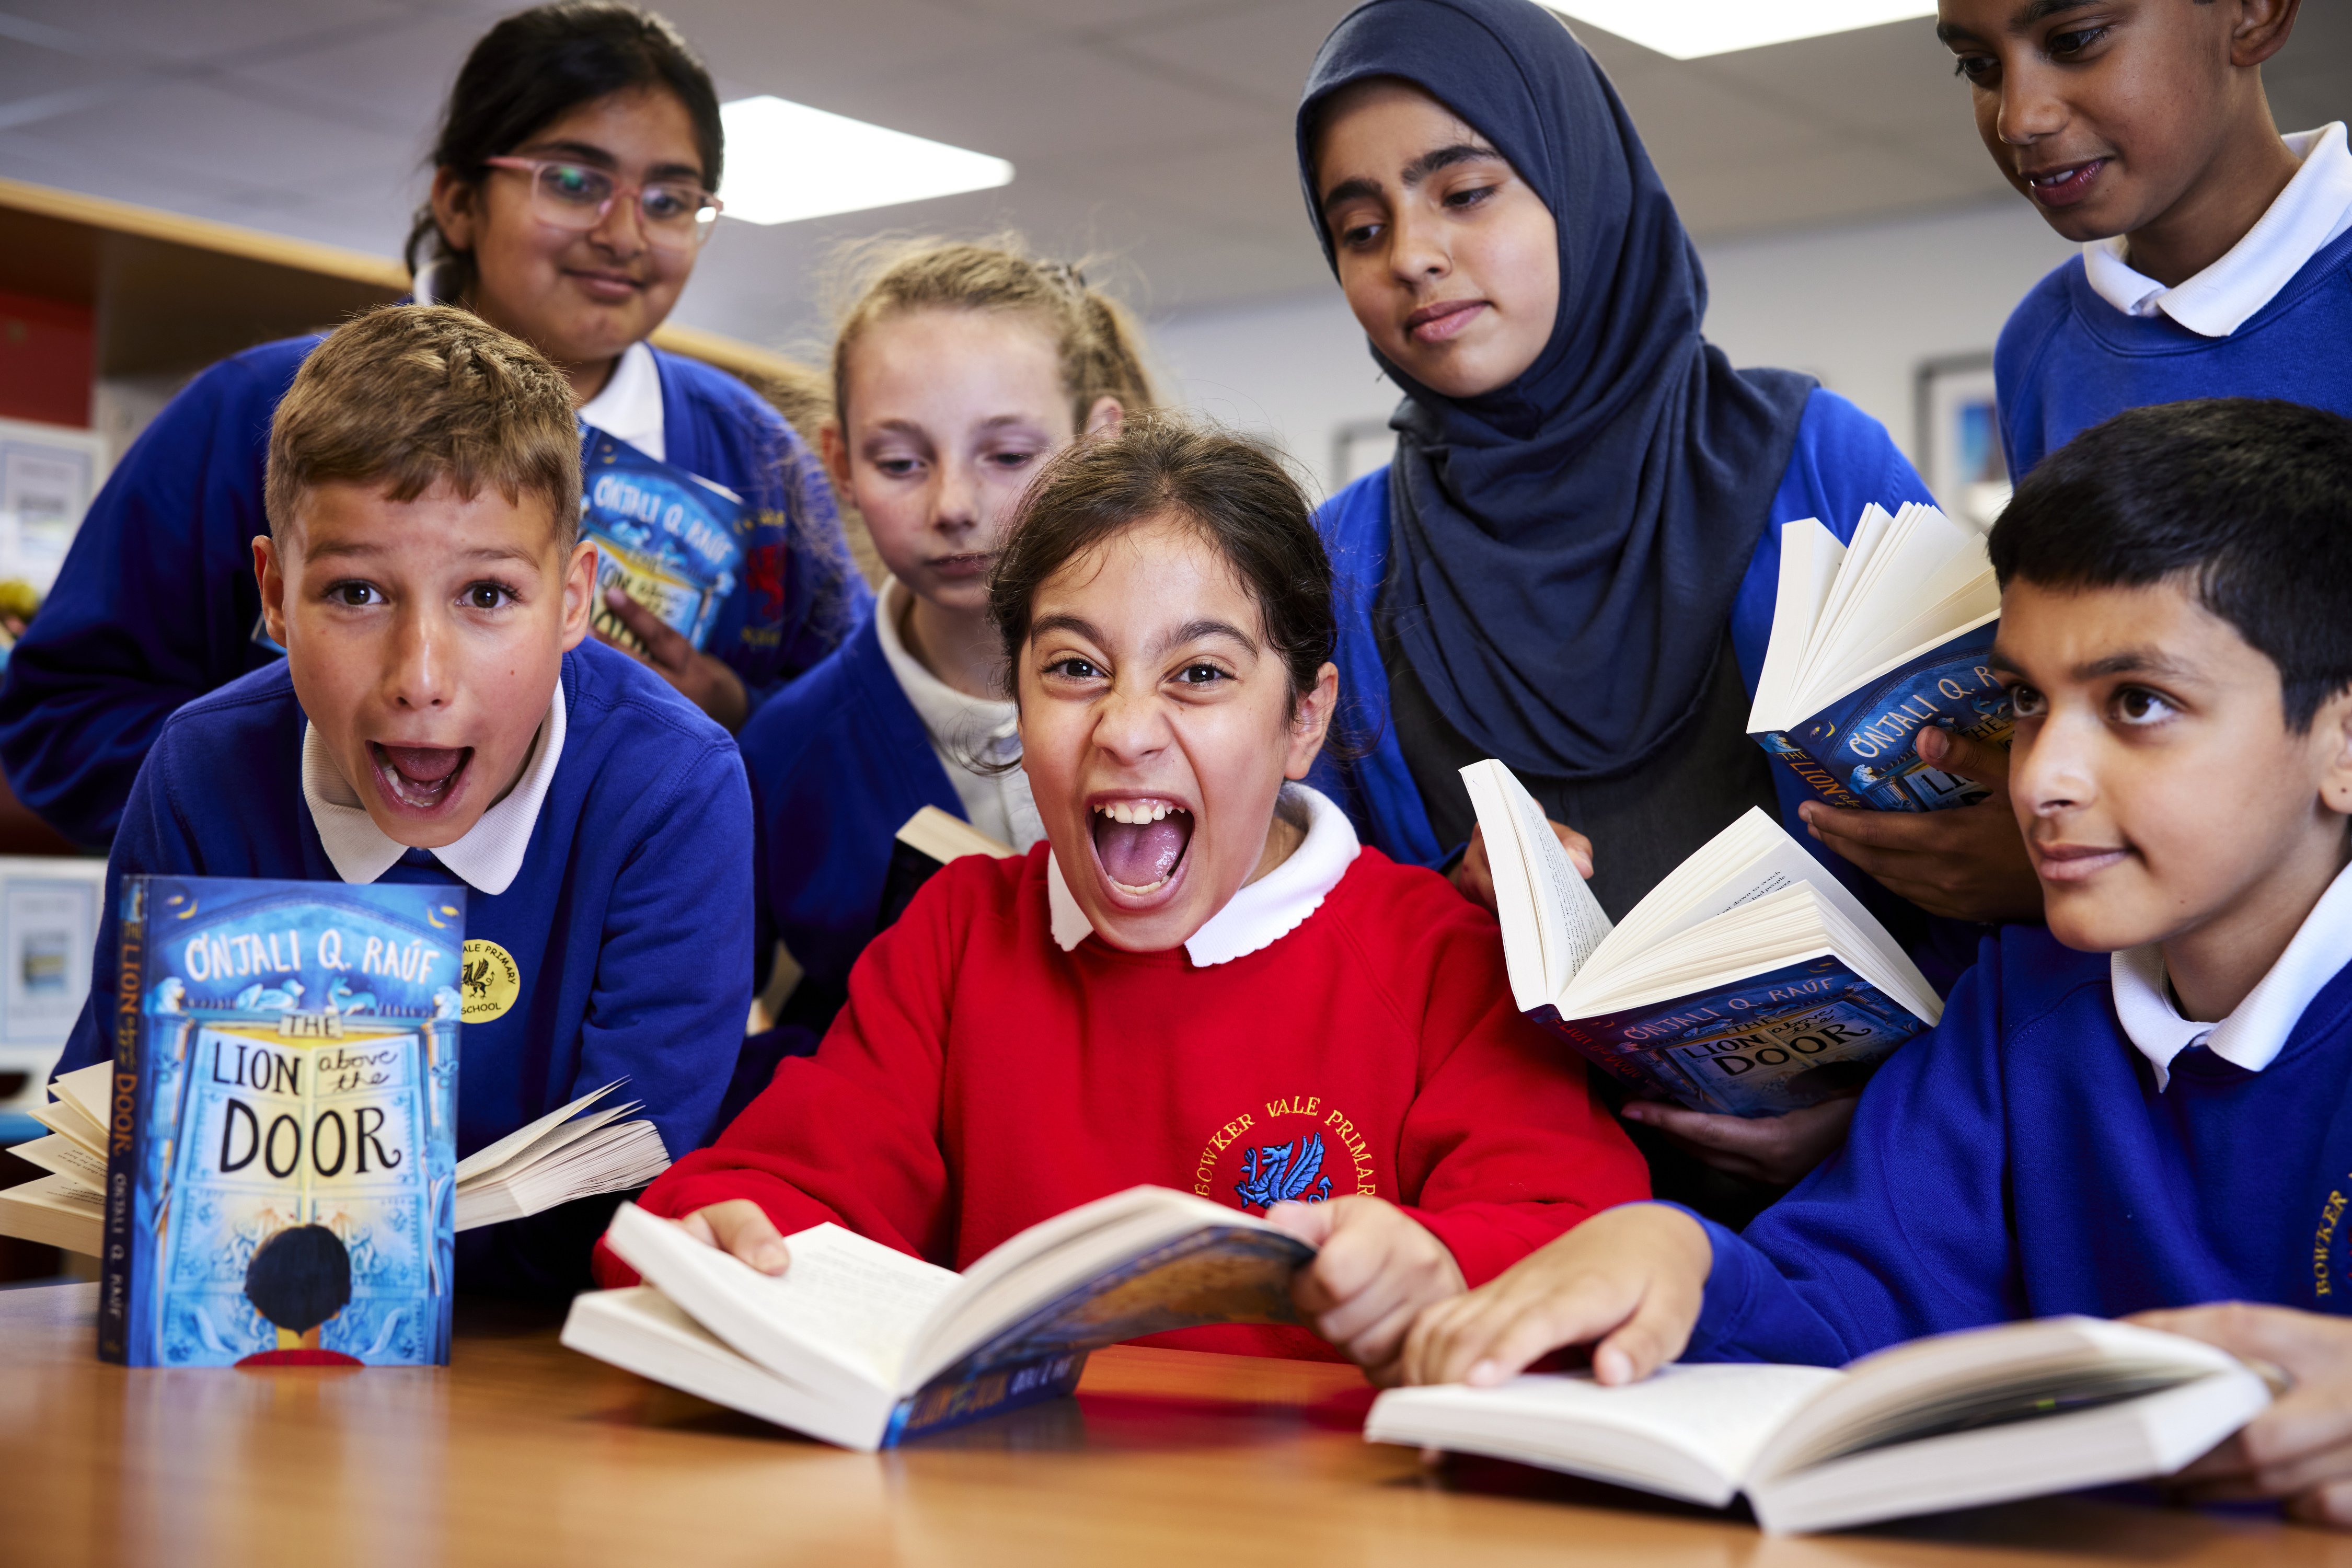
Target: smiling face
(2162, 795)
(1449, 260)
(578, 298)
(2112, 116)
(950, 413)
(425, 638)
(1157, 728)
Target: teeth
(1137, 811)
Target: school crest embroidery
(1271, 1176)
(1291, 1149)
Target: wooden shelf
(171, 294)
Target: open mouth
(1140, 843)
(2065, 186)
(420, 779)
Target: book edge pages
(44, 1211)
(1517, 909)
(626, 1329)
(945, 837)
(1797, 603)
(491, 1156)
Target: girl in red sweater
(1200, 979)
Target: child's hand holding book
(1375, 1267)
(742, 1228)
(2300, 1449)
(1967, 863)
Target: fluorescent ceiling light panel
(786, 161)
(1686, 29)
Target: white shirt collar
(1262, 914)
(962, 730)
(486, 859)
(2252, 1036)
(2312, 212)
(629, 406)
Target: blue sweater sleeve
(673, 985)
(1906, 1231)
(156, 603)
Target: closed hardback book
(281, 1138)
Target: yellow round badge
(488, 980)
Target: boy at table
(2141, 1109)
(439, 718)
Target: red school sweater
(981, 1079)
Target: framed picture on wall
(1959, 437)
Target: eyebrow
(1413, 173)
(2039, 11)
(2124, 661)
(589, 152)
(361, 548)
(1189, 632)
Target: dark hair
(538, 65)
(407, 396)
(299, 1277)
(2248, 501)
(1235, 492)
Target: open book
(1871, 642)
(925, 842)
(1986, 1416)
(571, 1153)
(1749, 981)
(861, 1345)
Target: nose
(1129, 726)
(417, 677)
(620, 230)
(1417, 248)
(955, 505)
(2031, 106)
(2051, 767)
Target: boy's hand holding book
(1967, 863)
(1778, 1149)
(2300, 1449)
(1375, 1267)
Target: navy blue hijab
(1567, 549)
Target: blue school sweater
(157, 603)
(2021, 1162)
(630, 921)
(838, 763)
(2068, 360)
(1844, 461)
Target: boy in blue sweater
(2143, 1109)
(2216, 253)
(438, 718)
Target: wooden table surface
(522, 1452)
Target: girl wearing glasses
(571, 196)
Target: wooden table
(522, 1452)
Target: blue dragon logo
(1269, 1176)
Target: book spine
(116, 1280)
(1783, 748)
(953, 1401)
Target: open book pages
(1953, 1421)
(1872, 641)
(1750, 981)
(863, 1331)
(571, 1153)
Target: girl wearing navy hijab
(570, 200)
(1572, 561)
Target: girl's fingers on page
(744, 1228)
(2329, 1505)
(1578, 847)
(1380, 1344)
(1655, 1335)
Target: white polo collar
(2252, 1036)
(1263, 912)
(486, 859)
(2312, 212)
(628, 408)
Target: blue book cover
(668, 539)
(1763, 1045)
(1862, 751)
(281, 1161)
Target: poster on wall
(48, 933)
(1959, 438)
(49, 476)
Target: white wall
(1859, 307)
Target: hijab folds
(1566, 549)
